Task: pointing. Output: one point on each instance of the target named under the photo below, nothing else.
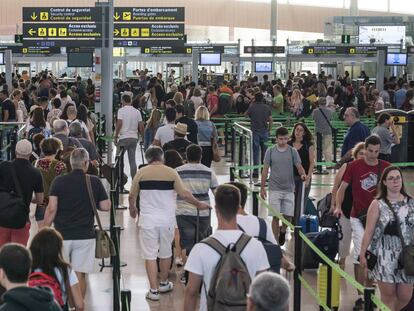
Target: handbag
(13, 209)
(105, 247)
(215, 148)
(406, 259)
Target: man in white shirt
(128, 124)
(165, 133)
(203, 259)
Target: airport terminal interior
(147, 110)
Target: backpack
(48, 176)
(224, 105)
(44, 280)
(189, 107)
(241, 105)
(328, 242)
(36, 130)
(273, 252)
(231, 279)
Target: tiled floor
(99, 294)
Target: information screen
(80, 59)
(394, 35)
(396, 59)
(1, 58)
(263, 67)
(210, 59)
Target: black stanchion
(226, 140)
(12, 140)
(255, 203)
(241, 153)
(335, 143)
(125, 300)
(116, 270)
(319, 170)
(232, 173)
(233, 145)
(329, 287)
(298, 270)
(120, 183)
(369, 305)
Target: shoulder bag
(105, 247)
(327, 121)
(406, 258)
(215, 149)
(13, 209)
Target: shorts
(80, 254)
(187, 225)
(357, 235)
(283, 202)
(156, 242)
(345, 243)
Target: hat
(181, 128)
(24, 147)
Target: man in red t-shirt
(363, 176)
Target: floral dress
(386, 244)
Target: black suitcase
(308, 259)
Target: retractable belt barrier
(369, 293)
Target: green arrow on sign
(116, 32)
(31, 31)
(34, 16)
(117, 16)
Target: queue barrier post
(298, 270)
(232, 169)
(241, 153)
(125, 300)
(226, 140)
(116, 270)
(335, 143)
(369, 304)
(319, 169)
(255, 202)
(233, 145)
(12, 141)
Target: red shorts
(20, 236)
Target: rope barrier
(329, 262)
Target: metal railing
(242, 134)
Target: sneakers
(183, 278)
(166, 287)
(282, 238)
(359, 305)
(153, 295)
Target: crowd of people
(56, 168)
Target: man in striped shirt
(198, 179)
(157, 186)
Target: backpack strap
(240, 228)
(241, 243)
(215, 244)
(262, 228)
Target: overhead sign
(166, 50)
(148, 43)
(18, 38)
(264, 49)
(342, 50)
(382, 34)
(65, 14)
(71, 34)
(149, 14)
(32, 50)
(157, 30)
(209, 48)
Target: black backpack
(273, 251)
(328, 242)
(13, 210)
(33, 131)
(224, 105)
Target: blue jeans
(259, 144)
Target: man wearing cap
(30, 181)
(180, 143)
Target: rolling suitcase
(328, 277)
(309, 223)
(308, 259)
